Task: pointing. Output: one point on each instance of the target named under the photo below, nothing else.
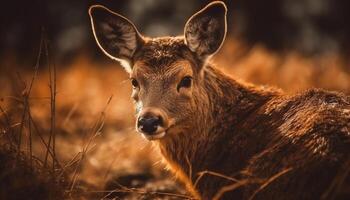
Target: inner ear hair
(116, 36)
(205, 31)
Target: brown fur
(256, 131)
(235, 129)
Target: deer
(224, 138)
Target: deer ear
(115, 35)
(205, 31)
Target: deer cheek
(185, 93)
(135, 95)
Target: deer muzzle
(152, 123)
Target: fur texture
(272, 145)
(248, 132)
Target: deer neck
(222, 105)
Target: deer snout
(152, 123)
(149, 125)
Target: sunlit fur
(239, 130)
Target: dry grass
(61, 122)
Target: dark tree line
(309, 26)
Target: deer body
(226, 139)
(255, 133)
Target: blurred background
(310, 27)
(291, 44)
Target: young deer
(227, 139)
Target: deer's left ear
(205, 31)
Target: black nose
(149, 124)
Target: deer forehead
(175, 70)
(165, 50)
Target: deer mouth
(154, 136)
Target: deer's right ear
(115, 35)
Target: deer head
(165, 73)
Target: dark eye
(186, 82)
(134, 83)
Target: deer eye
(134, 83)
(186, 82)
